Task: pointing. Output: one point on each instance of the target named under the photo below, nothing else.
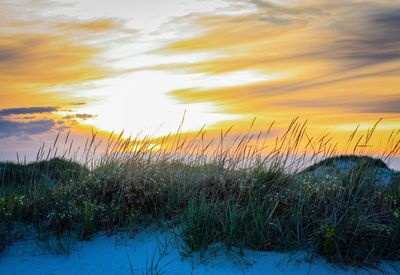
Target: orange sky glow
(138, 66)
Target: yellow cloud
(339, 65)
(32, 63)
(100, 25)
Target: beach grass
(239, 191)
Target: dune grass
(239, 193)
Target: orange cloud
(335, 64)
(32, 63)
(101, 25)
(111, 29)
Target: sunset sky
(139, 65)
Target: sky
(139, 66)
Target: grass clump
(51, 171)
(241, 197)
(199, 227)
(3, 238)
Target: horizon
(78, 66)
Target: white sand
(109, 255)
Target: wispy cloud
(332, 58)
(38, 58)
(79, 117)
(25, 111)
(354, 33)
(25, 122)
(35, 61)
(10, 128)
(93, 26)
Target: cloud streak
(79, 117)
(93, 26)
(331, 59)
(25, 111)
(10, 128)
(34, 62)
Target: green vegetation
(256, 203)
(51, 171)
(349, 159)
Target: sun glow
(140, 102)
